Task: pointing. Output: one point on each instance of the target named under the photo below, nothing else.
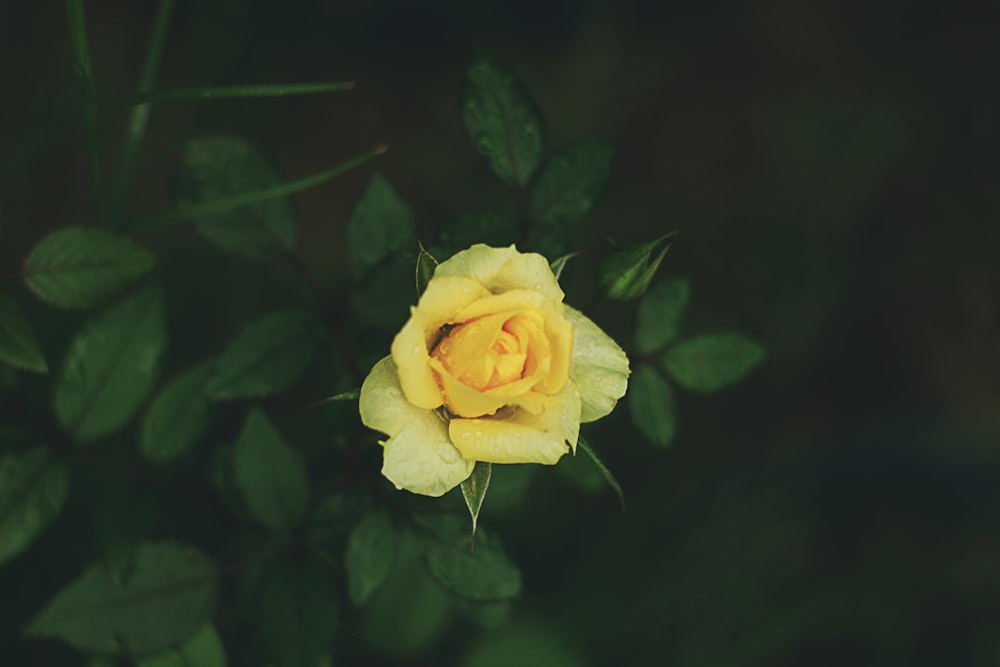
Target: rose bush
(491, 366)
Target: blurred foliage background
(833, 171)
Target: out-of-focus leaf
(178, 416)
(571, 182)
(659, 314)
(111, 365)
(550, 241)
(33, 489)
(79, 267)
(527, 643)
(296, 611)
(380, 224)
(239, 92)
(271, 476)
(370, 549)
(626, 274)
(425, 270)
(710, 362)
(474, 490)
(487, 574)
(490, 227)
(603, 469)
(18, 345)
(651, 404)
(267, 357)
(330, 523)
(203, 649)
(502, 120)
(169, 596)
(213, 168)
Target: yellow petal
(503, 269)
(462, 400)
(439, 304)
(519, 436)
(518, 299)
(599, 367)
(560, 333)
(418, 455)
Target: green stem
(139, 118)
(85, 85)
(223, 204)
(238, 92)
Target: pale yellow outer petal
(440, 303)
(521, 437)
(503, 269)
(419, 455)
(599, 368)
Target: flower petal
(503, 269)
(519, 436)
(418, 455)
(599, 368)
(462, 400)
(440, 303)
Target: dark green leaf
(169, 596)
(425, 270)
(608, 477)
(296, 612)
(487, 574)
(502, 120)
(111, 366)
(271, 476)
(370, 549)
(571, 182)
(239, 92)
(659, 314)
(474, 490)
(79, 267)
(178, 416)
(267, 357)
(551, 241)
(651, 404)
(33, 489)
(18, 345)
(351, 395)
(203, 649)
(713, 361)
(215, 168)
(331, 522)
(626, 274)
(380, 224)
(489, 227)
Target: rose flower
(491, 366)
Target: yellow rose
(491, 366)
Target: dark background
(833, 170)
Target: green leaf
(558, 265)
(79, 267)
(571, 182)
(502, 120)
(267, 357)
(331, 522)
(178, 417)
(651, 404)
(659, 314)
(425, 270)
(111, 365)
(18, 345)
(203, 649)
(487, 574)
(711, 362)
(239, 92)
(33, 489)
(490, 227)
(296, 611)
(626, 274)
(271, 476)
(370, 549)
(226, 205)
(169, 596)
(214, 168)
(351, 395)
(380, 225)
(474, 491)
(605, 473)
(85, 89)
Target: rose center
(491, 351)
